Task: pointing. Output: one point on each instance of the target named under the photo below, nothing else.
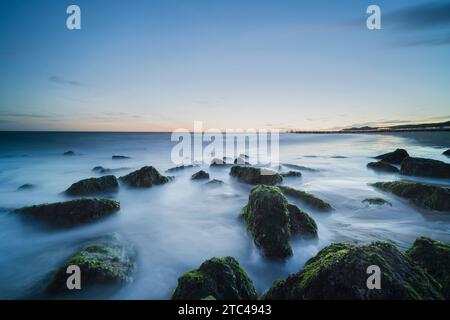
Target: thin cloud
(429, 15)
(59, 80)
(431, 42)
(23, 115)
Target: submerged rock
(339, 272)
(394, 157)
(214, 182)
(434, 257)
(446, 153)
(69, 153)
(423, 195)
(376, 201)
(382, 166)
(71, 213)
(101, 170)
(425, 168)
(307, 198)
(26, 186)
(182, 167)
(216, 279)
(218, 162)
(291, 173)
(93, 186)
(201, 175)
(105, 261)
(252, 175)
(118, 157)
(241, 161)
(271, 221)
(145, 177)
(297, 167)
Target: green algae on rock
(376, 201)
(71, 213)
(252, 175)
(146, 177)
(394, 157)
(300, 223)
(306, 198)
(339, 272)
(434, 257)
(425, 168)
(382, 166)
(93, 186)
(216, 278)
(105, 261)
(423, 195)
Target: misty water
(176, 226)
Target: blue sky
(159, 65)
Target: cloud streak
(62, 81)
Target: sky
(160, 65)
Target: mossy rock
(300, 223)
(394, 157)
(146, 177)
(339, 272)
(423, 195)
(71, 213)
(425, 168)
(376, 201)
(217, 278)
(252, 175)
(104, 261)
(382, 166)
(201, 175)
(291, 174)
(93, 186)
(306, 198)
(434, 257)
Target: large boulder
(252, 175)
(71, 213)
(271, 221)
(216, 279)
(106, 261)
(423, 195)
(201, 175)
(425, 168)
(307, 198)
(394, 157)
(434, 257)
(145, 177)
(339, 272)
(93, 186)
(446, 152)
(382, 166)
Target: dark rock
(105, 261)
(93, 186)
(241, 161)
(446, 153)
(297, 167)
(217, 279)
(394, 157)
(217, 162)
(69, 153)
(118, 157)
(253, 175)
(71, 213)
(423, 195)
(101, 170)
(291, 174)
(300, 223)
(145, 177)
(382, 166)
(339, 272)
(306, 198)
(425, 168)
(201, 175)
(214, 182)
(26, 186)
(434, 257)
(376, 201)
(179, 168)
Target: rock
(446, 153)
(200, 175)
(217, 162)
(241, 161)
(376, 201)
(101, 170)
(306, 198)
(253, 175)
(104, 261)
(291, 174)
(382, 166)
(118, 157)
(71, 213)
(26, 186)
(300, 223)
(179, 168)
(394, 157)
(339, 272)
(214, 182)
(218, 279)
(434, 257)
(423, 195)
(145, 177)
(69, 153)
(338, 157)
(297, 167)
(93, 186)
(425, 168)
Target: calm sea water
(178, 225)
